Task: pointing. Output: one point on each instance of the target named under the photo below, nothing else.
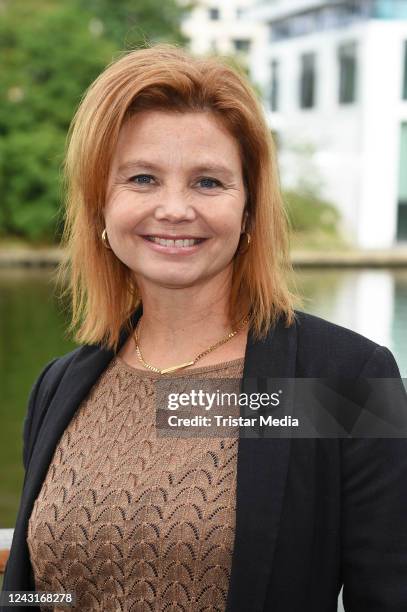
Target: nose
(174, 207)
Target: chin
(175, 279)
(176, 282)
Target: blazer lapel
(262, 466)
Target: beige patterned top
(131, 520)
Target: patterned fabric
(129, 520)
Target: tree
(50, 53)
(130, 22)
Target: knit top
(131, 520)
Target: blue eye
(133, 179)
(217, 183)
(145, 179)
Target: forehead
(176, 136)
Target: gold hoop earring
(105, 240)
(248, 239)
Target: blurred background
(332, 79)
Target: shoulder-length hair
(102, 290)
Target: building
(220, 27)
(334, 78)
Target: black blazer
(312, 514)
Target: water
(33, 323)
(32, 326)
(371, 302)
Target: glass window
(390, 9)
(307, 80)
(405, 72)
(402, 187)
(280, 30)
(214, 14)
(335, 15)
(241, 44)
(304, 23)
(347, 73)
(274, 85)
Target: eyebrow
(203, 167)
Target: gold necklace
(188, 363)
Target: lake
(33, 322)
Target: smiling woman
(178, 154)
(178, 271)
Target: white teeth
(170, 243)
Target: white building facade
(221, 27)
(334, 79)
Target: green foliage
(29, 162)
(51, 50)
(307, 213)
(131, 22)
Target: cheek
(229, 225)
(123, 210)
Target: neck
(177, 324)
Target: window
(405, 72)
(279, 30)
(307, 80)
(213, 14)
(274, 85)
(347, 73)
(241, 44)
(304, 23)
(335, 14)
(389, 9)
(402, 186)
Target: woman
(178, 271)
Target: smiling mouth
(176, 242)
